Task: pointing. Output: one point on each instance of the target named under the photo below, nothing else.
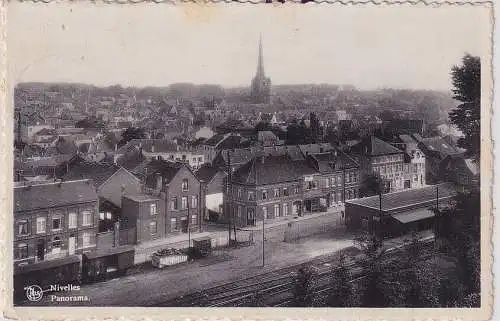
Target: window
(72, 220)
(264, 212)
(309, 185)
(285, 191)
(251, 196)
(348, 178)
(184, 202)
(40, 224)
(276, 192)
(153, 229)
(152, 209)
(314, 184)
(22, 227)
(86, 238)
(264, 195)
(327, 182)
(101, 216)
(56, 223)
(56, 243)
(109, 215)
(200, 159)
(285, 209)
(173, 224)
(185, 185)
(194, 219)
(239, 193)
(87, 218)
(339, 179)
(333, 181)
(238, 210)
(194, 202)
(194, 159)
(276, 210)
(173, 203)
(22, 250)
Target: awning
(413, 216)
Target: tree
(374, 292)
(466, 80)
(341, 292)
(298, 133)
(373, 184)
(458, 232)
(132, 133)
(303, 288)
(418, 278)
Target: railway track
(275, 288)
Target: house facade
(376, 156)
(54, 220)
(177, 197)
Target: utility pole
(189, 225)
(229, 192)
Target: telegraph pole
(229, 191)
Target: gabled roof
(266, 170)
(54, 194)
(207, 172)
(99, 173)
(373, 146)
(166, 169)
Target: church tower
(261, 85)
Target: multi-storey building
(414, 165)
(53, 220)
(272, 187)
(172, 202)
(378, 157)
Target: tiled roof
(99, 173)
(53, 194)
(271, 170)
(207, 172)
(332, 162)
(373, 146)
(406, 198)
(167, 169)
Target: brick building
(377, 156)
(172, 202)
(273, 187)
(53, 220)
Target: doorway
(40, 250)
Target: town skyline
(397, 58)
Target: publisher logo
(34, 293)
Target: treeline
(445, 274)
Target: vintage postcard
(173, 161)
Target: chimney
(159, 181)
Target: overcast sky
(141, 45)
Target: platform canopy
(413, 216)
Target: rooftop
(40, 196)
(141, 198)
(406, 198)
(266, 170)
(373, 146)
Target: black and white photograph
(235, 156)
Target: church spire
(260, 63)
